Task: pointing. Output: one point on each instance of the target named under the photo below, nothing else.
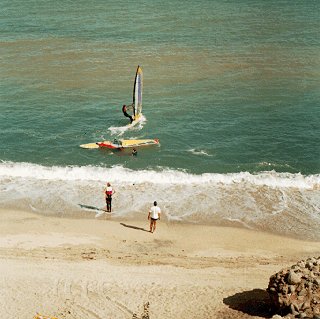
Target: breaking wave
(284, 203)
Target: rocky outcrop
(295, 291)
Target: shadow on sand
(134, 227)
(91, 207)
(255, 302)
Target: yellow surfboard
(118, 144)
(89, 145)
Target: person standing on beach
(153, 216)
(108, 192)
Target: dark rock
(295, 291)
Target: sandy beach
(104, 268)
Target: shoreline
(90, 214)
(97, 268)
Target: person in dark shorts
(124, 111)
(108, 192)
(153, 216)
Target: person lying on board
(124, 110)
(117, 142)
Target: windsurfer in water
(124, 110)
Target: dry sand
(90, 268)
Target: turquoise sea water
(231, 89)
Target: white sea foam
(275, 165)
(199, 152)
(281, 202)
(120, 130)
(161, 176)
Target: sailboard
(89, 145)
(119, 144)
(137, 97)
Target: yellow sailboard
(119, 144)
(89, 145)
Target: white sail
(137, 93)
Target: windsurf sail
(137, 93)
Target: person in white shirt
(153, 216)
(108, 192)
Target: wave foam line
(163, 176)
(199, 152)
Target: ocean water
(231, 89)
